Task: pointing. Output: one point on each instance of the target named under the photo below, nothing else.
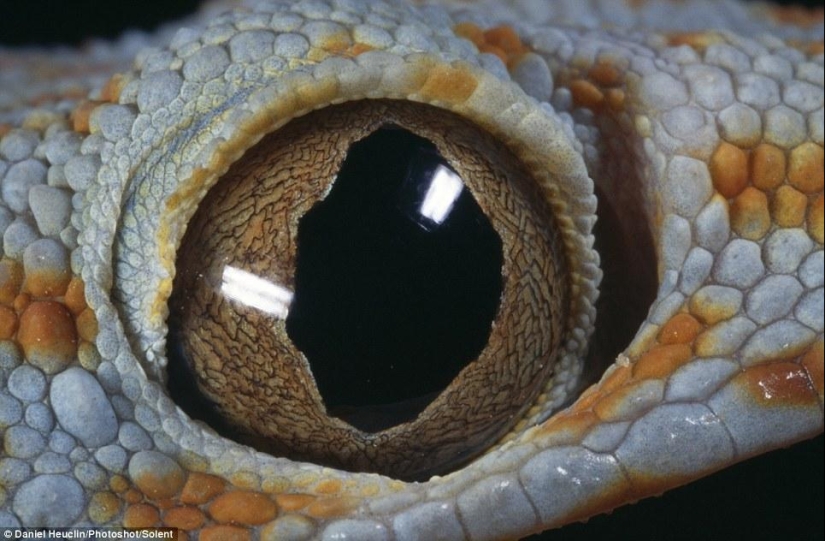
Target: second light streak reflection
(256, 292)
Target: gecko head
(327, 248)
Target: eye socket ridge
(533, 134)
(247, 364)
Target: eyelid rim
(137, 343)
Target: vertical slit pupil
(397, 281)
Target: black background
(775, 496)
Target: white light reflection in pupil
(256, 292)
(445, 187)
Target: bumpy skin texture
(717, 139)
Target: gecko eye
(376, 286)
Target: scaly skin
(728, 363)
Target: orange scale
(568, 427)
(241, 507)
(275, 485)
(160, 485)
(184, 518)
(617, 378)
(359, 49)
(706, 344)
(112, 88)
(48, 283)
(329, 487)
(81, 114)
(47, 335)
(133, 496)
(363, 490)
(750, 217)
(322, 91)
(75, 297)
(661, 361)
(21, 302)
(777, 384)
(615, 98)
(293, 502)
(806, 171)
(119, 484)
(680, 329)
(87, 325)
(788, 207)
(450, 84)
(336, 43)
(103, 507)
(326, 508)
(605, 73)
(245, 480)
(729, 170)
(586, 401)
(141, 515)
(709, 312)
(505, 38)
(586, 94)
(470, 31)
(696, 40)
(767, 166)
(201, 488)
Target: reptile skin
(710, 139)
